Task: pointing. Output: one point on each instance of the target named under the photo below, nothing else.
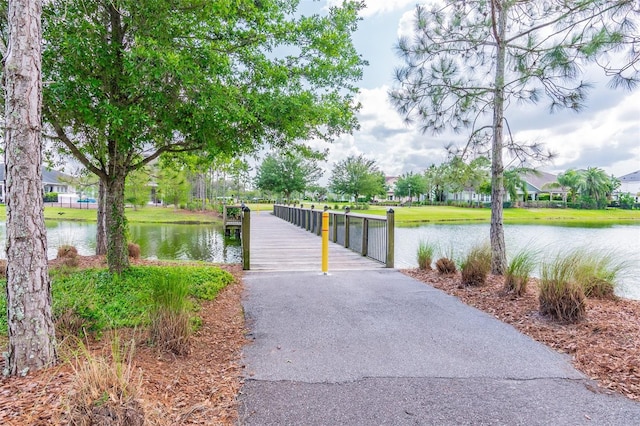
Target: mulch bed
(199, 388)
(605, 346)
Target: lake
(207, 243)
(549, 240)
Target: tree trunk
(31, 329)
(116, 223)
(101, 229)
(498, 249)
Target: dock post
(325, 242)
(246, 240)
(390, 238)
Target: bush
(560, 296)
(425, 255)
(134, 250)
(105, 390)
(50, 197)
(170, 314)
(518, 272)
(444, 265)
(476, 266)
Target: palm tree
(569, 181)
(595, 184)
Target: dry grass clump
(67, 251)
(519, 271)
(476, 266)
(105, 390)
(69, 323)
(561, 297)
(69, 255)
(170, 327)
(597, 272)
(446, 266)
(134, 250)
(3, 268)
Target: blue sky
(606, 134)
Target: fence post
(246, 240)
(390, 238)
(365, 236)
(347, 219)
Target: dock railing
(369, 235)
(237, 222)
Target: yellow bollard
(325, 242)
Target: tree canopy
(468, 62)
(287, 173)
(357, 176)
(411, 185)
(129, 81)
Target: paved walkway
(375, 347)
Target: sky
(606, 134)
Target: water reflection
(157, 241)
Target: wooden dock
(277, 245)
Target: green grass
(444, 214)
(148, 214)
(106, 301)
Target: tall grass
(105, 388)
(598, 272)
(561, 296)
(425, 254)
(170, 326)
(476, 265)
(519, 271)
(446, 264)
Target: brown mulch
(195, 389)
(605, 346)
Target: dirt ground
(201, 388)
(605, 346)
(196, 389)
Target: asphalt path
(380, 348)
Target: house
(541, 183)
(51, 182)
(630, 184)
(390, 185)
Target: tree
(287, 173)
(357, 176)
(136, 188)
(410, 185)
(595, 185)
(470, 60)
(217, 78)
(435, 179)
(569, 182)
(514, 182)
(30, 324)
(173, 186)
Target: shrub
(560, 296)
(105, 389)
(425, 255)
(476, 266)
(69, 323)
(170, 314)
(67, 251)
(444, 265)
(134, 250)
(50, 197)
(518, 272)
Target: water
(623, 240)
(157, 241)
(207, 242)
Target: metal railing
(369, 235)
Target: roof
(539, 179)
(631, 177)
(48, 176)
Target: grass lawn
(148, 214)
(511, 215)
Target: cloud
(374, 7)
